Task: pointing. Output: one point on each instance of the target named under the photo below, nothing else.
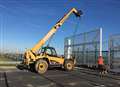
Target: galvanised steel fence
(114, 51)
(84, 47)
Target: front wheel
(41, 66)
(69, 65)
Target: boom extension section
(54, 29)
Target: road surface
(56, 78)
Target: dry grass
(2, 58)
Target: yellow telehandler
(47, 55)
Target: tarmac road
(53, 78)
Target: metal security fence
(10, 59)
(105, 56)
(84, 47)
(114, 49)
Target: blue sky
(24, 22)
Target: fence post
(101, 42)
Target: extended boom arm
(54, 29)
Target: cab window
(48, 51)
(54, 52)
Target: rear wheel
(41, 66)
(69, 65)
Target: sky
(24, 22)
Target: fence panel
(84, 47)
(114, 49)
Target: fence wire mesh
(114, 49)
(84, 47)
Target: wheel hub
(69, 66)
(41, 66)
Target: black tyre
(69, 65)
(32, 67)
(41, 66)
